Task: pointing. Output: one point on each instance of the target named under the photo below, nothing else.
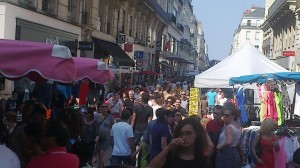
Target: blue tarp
(261, 78)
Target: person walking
(267, 141)
(187, 149)
(214, 128)
(211, 99)
(106, 122)
(122, 133)
(142, 115)
(227, 154)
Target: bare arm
(164, 142)
(150, 119)
(255, 141)
(133, 119)
(211, 147)
(229, 138)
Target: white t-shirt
(120, 132)
(184, 104)
(8, 158)
(222, 101)
(115, 108)
(155, 107)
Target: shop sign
(193, 101)
(120, 38)
(85, 45)
(288, 53)
(128, 47)
(139, 54)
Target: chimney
(246, 12)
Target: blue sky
(220, 18)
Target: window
(257, 35)
(70, 5)
(248, 35)
(248, 22)
(257, 23)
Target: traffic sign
(139, 62)
(139, 54)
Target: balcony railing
(158, 10)
(278, 4)
(180, 27)
(173, 18)
(250, 25)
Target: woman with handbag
(264, 143)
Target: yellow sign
(194, 101)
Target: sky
(220, 18)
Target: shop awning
(178, 59)
(116, 52)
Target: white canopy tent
(246, 61)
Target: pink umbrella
(93, 69)
(37, 61)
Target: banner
(194, 101)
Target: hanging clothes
(279, 107)
(240, 96)
(286, 101)
(83, 93)
(280, 156)
(272, 111)
(297, 99)
(263, 106)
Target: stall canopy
(246, 61)
(95, 70)
(261, 78)
(37, 61)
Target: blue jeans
(137, 137)
(119, 160)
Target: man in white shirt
(123, 148)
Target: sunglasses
(104, 106)
(226, 115)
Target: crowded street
(149, 84)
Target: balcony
(180, 27)
(158, 10)
(180, 2)
(278, 5)
(173, 19)
(249, 25)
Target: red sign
(288, 53)
(128, 47)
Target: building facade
(249, 29)
(202, 61)
(145, 35)
(281, 33)
(178, 54)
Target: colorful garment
(280, 156)
(279, 107)
(267, 154)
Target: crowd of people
(136, 126)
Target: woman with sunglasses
(227, 154)
(187, 149)
(105, 124)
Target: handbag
(258, 147)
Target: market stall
(37, 61)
